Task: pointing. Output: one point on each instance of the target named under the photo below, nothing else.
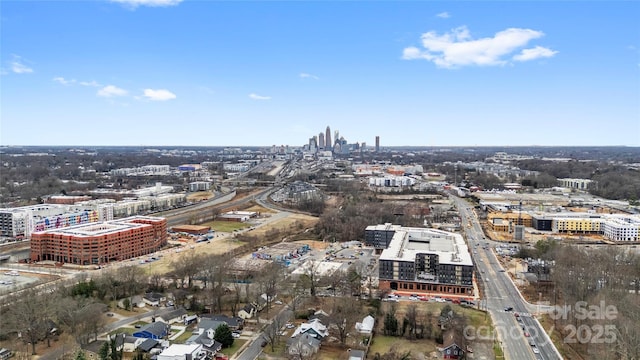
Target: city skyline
(189, 73)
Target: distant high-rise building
(336, 136)
(327, 140)
(377, 143)
(321, 140)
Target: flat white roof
(181, 349)
(408, 242)
(102, 228)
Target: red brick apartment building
(100, 243)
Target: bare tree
(411, 320)
(31, 317)
(344, 315)
(132, 279)
(272, 332)
(214, 274)
(311, 276)
(272, 276)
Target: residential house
(366, 326)
(180, 352)
(148, 344)
(155, 330)
(154, 299)
(314, 328)
(303, 346)
(173, 316)
(204, 335)
(235, 323)
(131, 343)
(356, 355)
(453, 345)
(320, 315)
(119, 340)
(135, 301)
(261, 303)
(247, 312)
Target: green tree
(103, 353)
(390, 324)
(223, 335)
(80, 355)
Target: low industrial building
(192, 229)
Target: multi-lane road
(521, 337)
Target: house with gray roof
(173, 316)
(148, 344)
(235, 323)
(155, 330)
(204, 335)
(313, 328)
(303, 346)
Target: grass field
(383, 344)
(423, 347)
(126, 330)
(182, 338)
(237, 344)
(474, 317)
(226, 226)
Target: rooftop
(408, 242)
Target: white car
(278, 302)
(535, 350)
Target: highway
(501, 294)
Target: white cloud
(308, 76)
(111, 91)
(91, 83)
(534, 53)
(63, 81)
(18, 67)
(443, 15)
(152, 3)
(159, 95)
(457, 48)
(259, 97)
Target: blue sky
(223, 73)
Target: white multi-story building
(199, 186)
(240, 167)
(142, 170)
(391, 181)
(580, 184)
(624, 228)
(21, 222)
